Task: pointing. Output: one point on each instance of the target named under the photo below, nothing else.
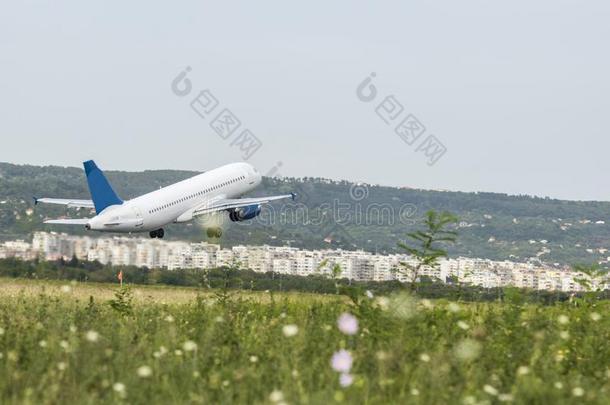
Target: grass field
(78, 343)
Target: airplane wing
(226, 204)
(69, 202)
(71, 221)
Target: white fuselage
(174, 203)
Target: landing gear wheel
(160, 233)
(153, 234)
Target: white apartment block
(355, 265)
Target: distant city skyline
(516, 92)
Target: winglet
(101, 191)
(294, 196)
(35, 200)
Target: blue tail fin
(101, 191)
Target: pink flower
(348, 324)
(345, 380)
(341, 361)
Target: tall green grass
(242, 348)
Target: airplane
(209, 192)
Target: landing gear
(159, 233)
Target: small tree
(425, 247)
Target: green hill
(339, 214)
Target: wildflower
(348, 324)
(578, 392)
(66, 288)
(558, 385)
(467, 350)
(119, 387)
(169, 319)
(462, 325)
(490, 390)
(414, 392)
(253, 359)
(563, 319)
(160, 353)
(370, 294)
(225, 383)
(506, 398)
(453, 307)
(295, 373)
(381, 355)
(283, 315)
(72, 329)
(383, 302)
(178, 352)
(424, 357)
(523, 370)
(1, 331)
(469, 400)
(92, 336)
(341, 361)
(290, 330)
(189, 346)
(144, 371)
(346, 379)
(595, 316)
(564, 334)
(196, 374)
(219, 319)
(64, 345)
(276, 396)
(327, 327)
(61, 366)
(42, 343)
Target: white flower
(424, 357)
(467, 350)
(578, 391)
(253, 359)
(61, 366)
(564, 334)
(563, 319)
(1, 331)
(118, 387)
(144, 372)
(462, 325)
(490, 390)
(341, 361)
(506, 398)
(64, 345)
(290, 330)
(347, 323)
(169, 319)
(92, 336)
(219, 319)
(595, 316)
(66, 288)
(178, 352)
(42, 343)
(346, 379)
(414, 392)
(276, 396)
(558, 385)
(370, 294)
(72, 329)
(189, 346)
(523, 370)
(453, 307)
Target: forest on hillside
(337, 214)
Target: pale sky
(517, 91)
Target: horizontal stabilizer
(69, 202)
(71, 221)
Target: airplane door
(138, 216)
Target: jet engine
(244, 213)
